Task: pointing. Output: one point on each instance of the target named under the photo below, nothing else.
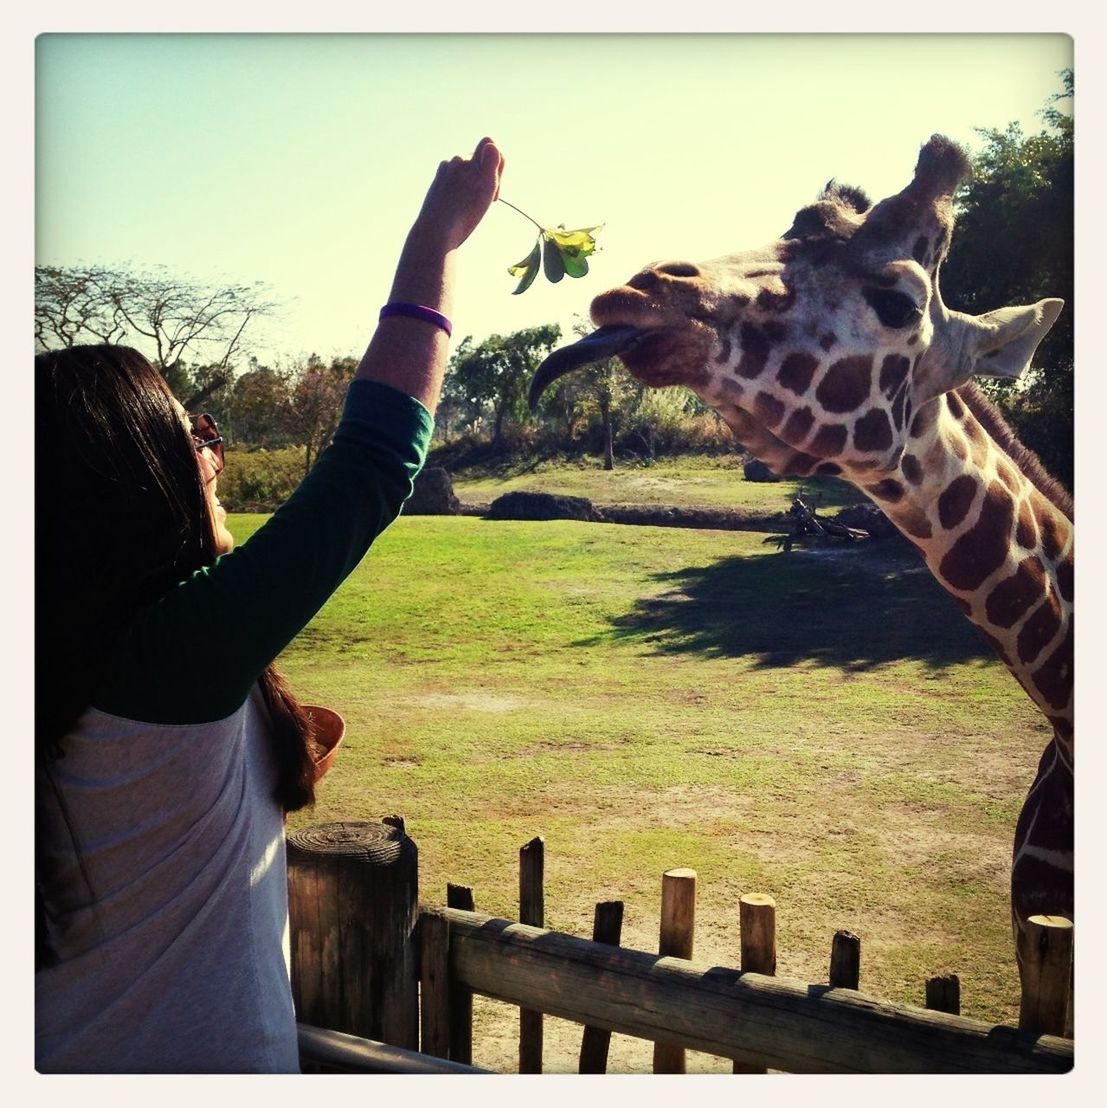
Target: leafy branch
(557, 251)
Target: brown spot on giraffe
(801, 465)
(1053, 536)
(828, 340)
(768, 409)
(757, 344)
(724, 353)
(1053, 677)
(873, 431)
(1040, 629)
(846, 384)
(954, 405)
(796, 371)
(982, 549)
(1065, 581)
(893, 373)
(955, 501)
(888, 489)
(1012, 598)
(830, 439)
(1026, 533)
(924, 420)
(799, 423)
(910, 468)
(828, 469)
(914, 523)
(771, 301)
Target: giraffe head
(822, 345)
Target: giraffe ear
(1002, 343)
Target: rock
(868, 517)
(542, 505)
(433, 495)
(754, 470)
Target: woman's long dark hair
(120, 518)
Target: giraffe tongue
(604, 343)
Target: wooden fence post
(461, 1000)
(595, 1043)
(943, 994)
(532, 910)
(757, 935)
(678, 922)
(352, 908)
(434, 980)
(845, 961)
(1045, 958)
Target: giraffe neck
(994, 540)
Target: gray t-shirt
(181, 965)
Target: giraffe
(830, 351)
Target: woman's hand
(460, 194)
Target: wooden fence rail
(766, 1021)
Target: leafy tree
(1014, 245)
(316, 394)
(172, 318)
(602, 391)
(494, 375)
(256, 407)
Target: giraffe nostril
(678, 269)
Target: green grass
(820, 726)
(693, 481)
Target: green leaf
(575, 264)
(528, 268)
(581, 240)
(552, 261)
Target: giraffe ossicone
(831, 351)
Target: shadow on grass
(854, 608)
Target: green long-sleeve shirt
(194, 655)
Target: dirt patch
(469, 701)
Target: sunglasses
(206, 436)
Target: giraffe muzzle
(603, 343)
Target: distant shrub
(260, 480)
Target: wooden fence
(367, 957)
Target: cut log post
(1045, 964)
(434, 980)
(845, 961)
(461, 1000)
(532, 910)
(943, 994)
(757, 934)
(678, 924)
(352, 909)
(595, 1043)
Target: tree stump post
(757, 938)
(678, 923)
(353, 909)
(1045, 964)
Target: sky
(299, 161)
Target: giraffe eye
(892, 308)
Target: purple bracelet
(417, 311)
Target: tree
(496, 373)
(315, 398)
(255, 410)
(602, 390)
(170, 317)
(1014, 245)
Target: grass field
(820, 726)
(692, 481)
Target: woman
(167, 748)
